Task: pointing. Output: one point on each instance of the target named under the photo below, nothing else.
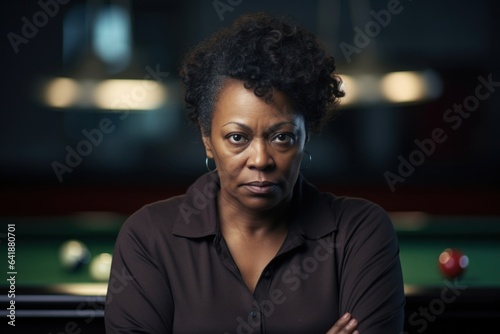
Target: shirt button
(267, 273)
(253, 314)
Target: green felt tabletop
(422, 238)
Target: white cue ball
(73, 254)
(100, 267)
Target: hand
(345, 325)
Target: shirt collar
(198, 217)
(313, 210)
(197, 213)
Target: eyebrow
(273, 127)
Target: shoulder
(361, 221)
(340, 207)
(361, 227)
(191, 214)
(346, 207)
(337, 213)
(153, 218)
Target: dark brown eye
(236, 138)
(284, 138)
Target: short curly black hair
(265, 52)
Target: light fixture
(102, 73)
(391, 88)
(133, 94)
(61, 92)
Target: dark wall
(355, 153)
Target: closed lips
(261, 187)
(261, 184)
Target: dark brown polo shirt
(172, 271)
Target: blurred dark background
(141, 153)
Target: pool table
(50, 299)
(436, 304)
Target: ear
(207, 142)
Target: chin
(261, 203)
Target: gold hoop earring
(206, 164)
(309, 163)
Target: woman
(252, 247)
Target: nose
(260, 157)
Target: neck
(252, 223)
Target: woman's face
(257, 147)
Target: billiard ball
(100, 267)
(73, 255)
(452, 263)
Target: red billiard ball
(452, 263)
